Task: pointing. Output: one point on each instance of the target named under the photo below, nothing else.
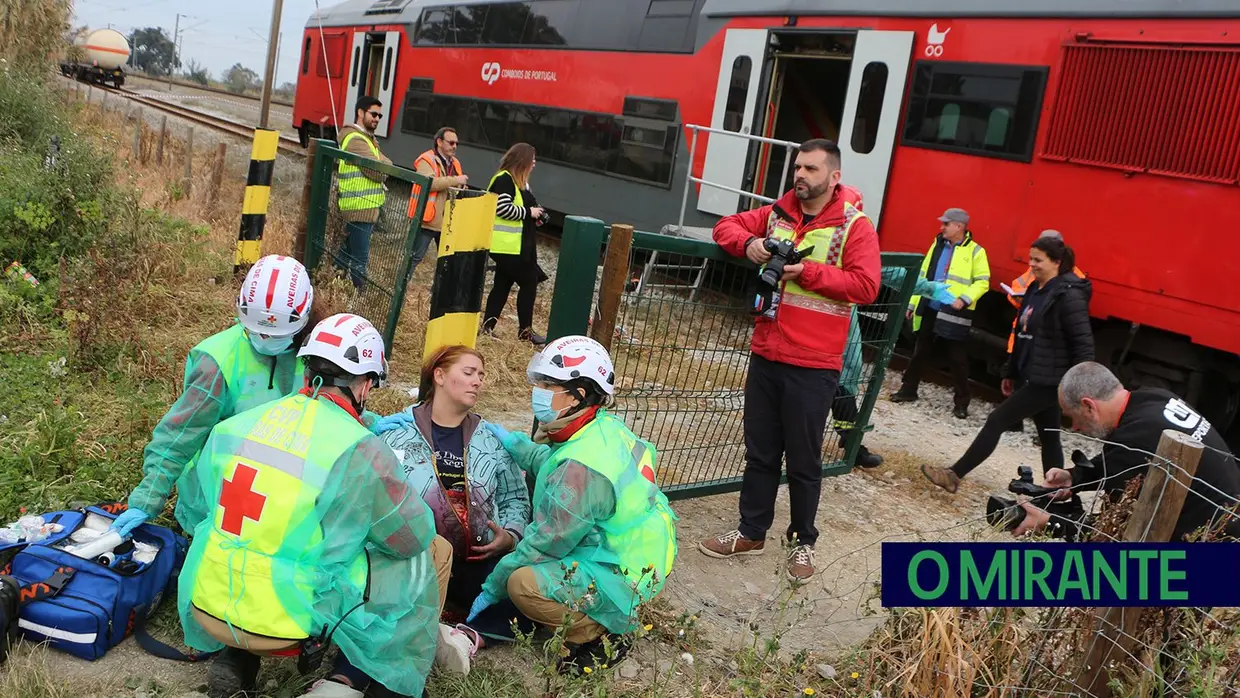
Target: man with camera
(1132, 422)
(820, 255)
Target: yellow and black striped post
(460, 273)
(257, 196)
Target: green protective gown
(850, 377)
(595, 505)
(224, 376)
(321, 503)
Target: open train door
(736, 98)
(356, 76)
(385, 81)
(872, 109)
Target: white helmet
(350, 342)
(276, 297)
(572, 357)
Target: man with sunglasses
(360, 192)
(440, 164)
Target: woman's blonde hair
(519, 160)
(445, 358)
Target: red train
(1114, 121)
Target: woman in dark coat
(1053, 334)
(516, 203)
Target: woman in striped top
(516, 203)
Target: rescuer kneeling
(311, 535)
(604, 536)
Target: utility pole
(273, 39)
(175, 53)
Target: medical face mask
(540, 401)
(271, 346)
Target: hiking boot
(801, 564)
(593, 655)
(961, 413)
(326, 688)
(865, 459)
(731, 544)
(943, 477)
(528, 335)
(901, 396)
(232, 672)
(456, 647)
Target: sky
(216, 33)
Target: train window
(548, 21)
(648, 108)
(305, 57)
(975, 108)
(670, 8)
(387, 69)
(357, 62)
(435, 26)
(505, 23)
(869, 107)
(738, 94)
(643, 150)
(468, 22)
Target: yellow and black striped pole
(257, 196)
(460, 273)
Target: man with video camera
(1133, 422)
(820, 256)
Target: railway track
(287, 144)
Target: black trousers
(499, 296)
(1038, 401)
(785, 416)
(923, 350)
(495, 622)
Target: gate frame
(325, 158)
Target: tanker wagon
(97, 57)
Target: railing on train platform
(681, 363)
(337, 243)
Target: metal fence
(371, 245)
(681, 348)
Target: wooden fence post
(137, 135)
(217, 172)
(163, 137)
(303, 219)
(615, 276)
(189, 160)
(1152, 520)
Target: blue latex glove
(400, 420)
(500, 433)
(128, 521)
(941, 294)
(482, 603)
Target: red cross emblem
(239, 499)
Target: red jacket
(799, 336)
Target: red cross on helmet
(572, 357)
(350, 342)
(276, 297)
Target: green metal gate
(329, 251)
(681, 349)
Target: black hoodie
(1060, 332)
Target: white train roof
(370, 12)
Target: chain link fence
(362, 227)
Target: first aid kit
(82, 588)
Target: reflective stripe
(959, 279)
(358, 193)
(955, 319)
(982, 277)
(275, 457)
(507, 227)
(352, 173)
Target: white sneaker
(456, 648)
(324, 688)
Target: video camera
(1008, 514)
(783, 253)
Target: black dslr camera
(1008, 515)
(543, 218)
(783, 253)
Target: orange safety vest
(1020, 286)
(432, 160)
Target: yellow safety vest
(258, 568)
(356, 191)
(828, 244)
(969, 265)
(506, 234)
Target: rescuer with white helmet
(596, 503)
(250, 363)
(308, 534)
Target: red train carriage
(1114, 121)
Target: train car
(1116, 122)
(98, 56)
